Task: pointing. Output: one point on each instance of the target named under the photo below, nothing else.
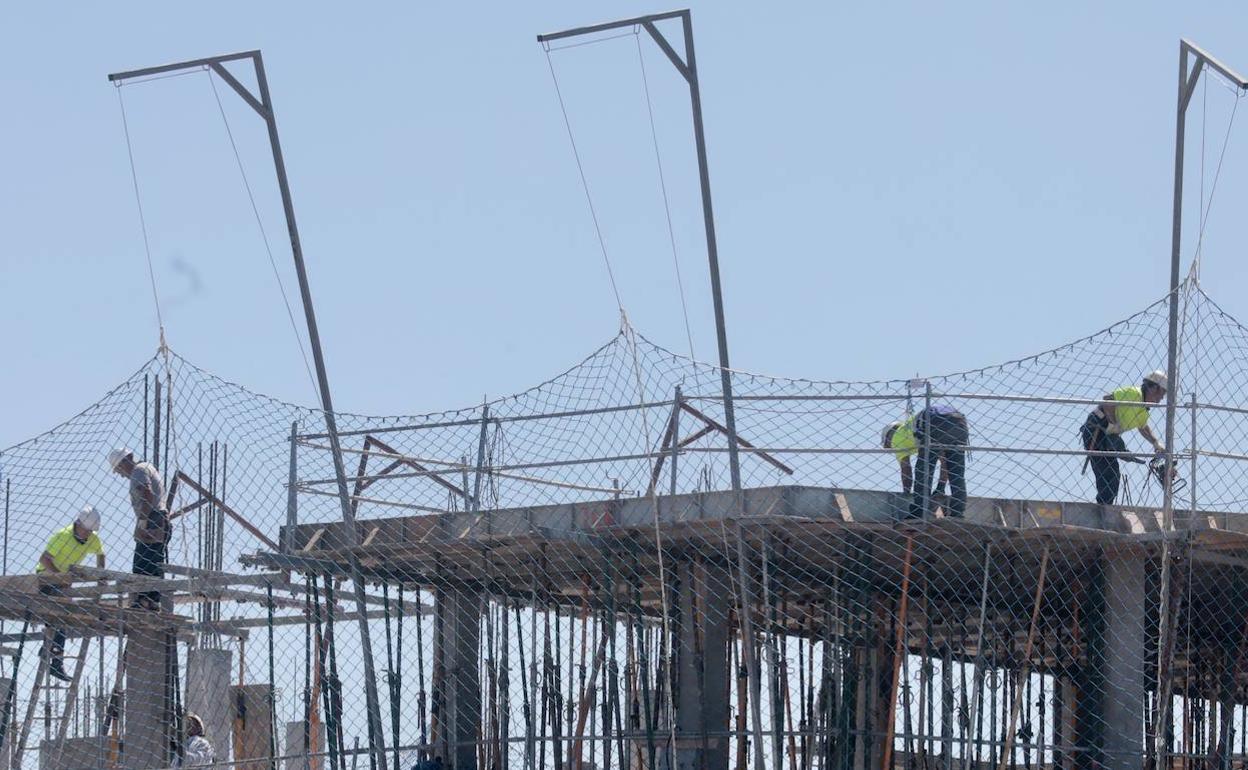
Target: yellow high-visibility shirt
(1130, 417)
(903, 444)
(66, 551)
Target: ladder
(43, 685)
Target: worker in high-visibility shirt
(67, 547)
(938, 433)
(1103, 430)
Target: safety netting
(567, 578)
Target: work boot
(57, 669)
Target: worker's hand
(1113, 429)
(1158, 449)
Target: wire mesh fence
(934, 572)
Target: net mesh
(565, 578)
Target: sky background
(1007, 165)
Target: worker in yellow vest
(938, 433)
(1115, 416)
(68, 546)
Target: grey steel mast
(1187, 87)
(688, 69)
(263, 105)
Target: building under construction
(651, 562)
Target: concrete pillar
(253, 726)
(702, 594)
(208, 695)
(294, 748)
(149, 701)
(1110, 707)
(457, 693)
(74, 753)
(1125, 637)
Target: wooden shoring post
(1007, 749)
(907, 718)
(974, 715)
(576, 750)
(526, 704)
(773, 658)
(742, 738)
(787, 694)
(899, 650)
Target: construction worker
(67, 547)
(197, 751)
(1103, 430)
(151, 530)
(938, 433)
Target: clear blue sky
(869, 163)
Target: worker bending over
(938, 433)
(1102, 431)
(151, 512)
(67, 547)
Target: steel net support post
(263, 106)
(688, 69)
(292, 494)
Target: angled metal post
(712, 253)
(1187, 87)
(263, 105)
(688, 69)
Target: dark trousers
(940, 436)
(56, 652)
(147, 560)
(1105, 470)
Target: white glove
(1113, 429)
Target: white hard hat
(1158, 378)
(117, 455)
(884, 434)
(89, 518)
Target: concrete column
(1110, 707)
(74, 753)
(294, 750)
(208, 695)
(457, 694)
(1123, 705)
(253, 726)
(148, 701)
(702, 603)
